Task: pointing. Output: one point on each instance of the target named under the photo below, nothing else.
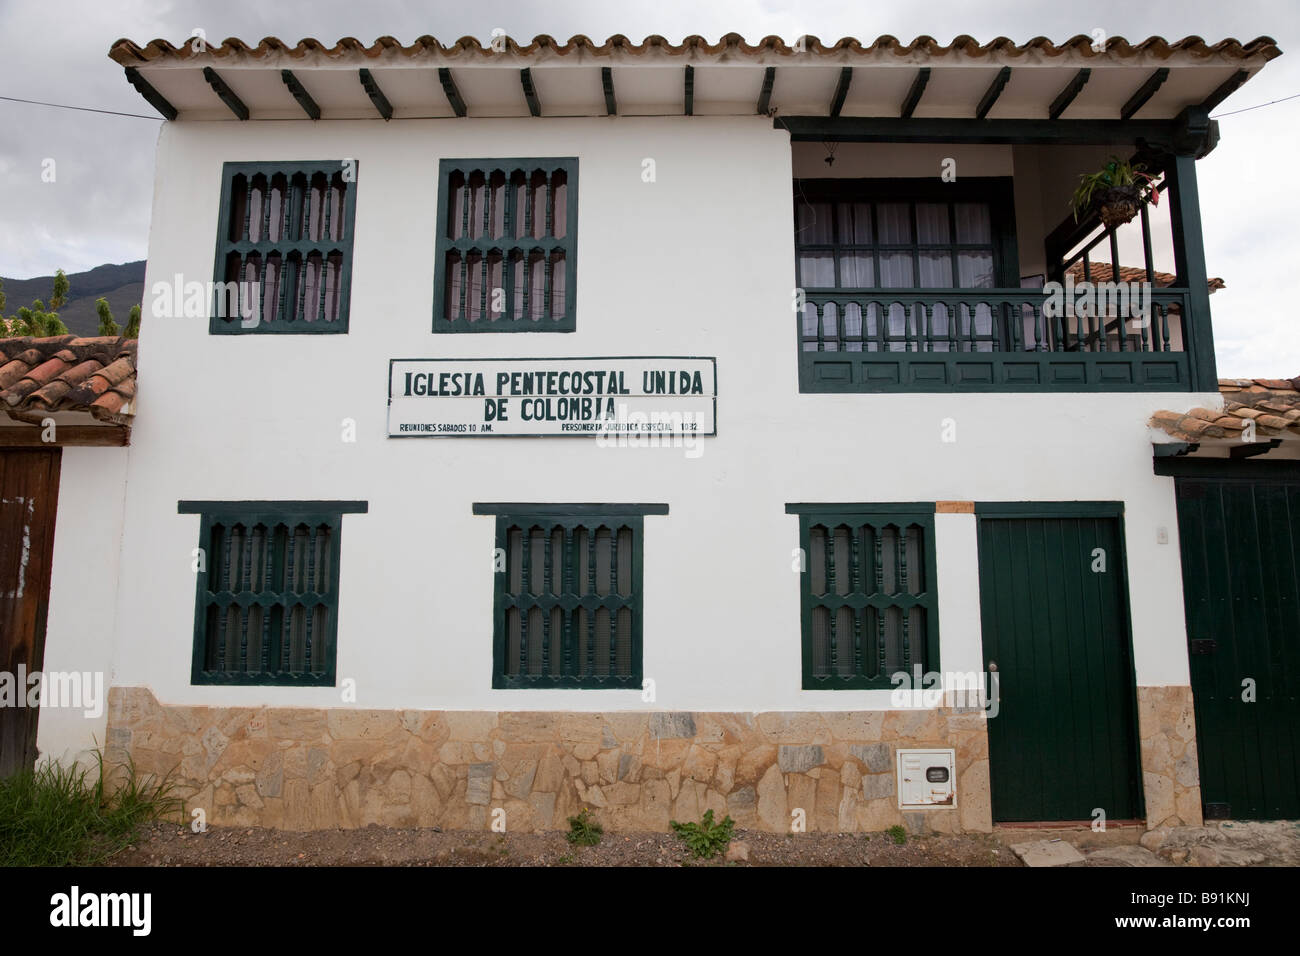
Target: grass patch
(67, 816)
(897, 834)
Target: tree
(109, 327)
(39, 321)
(36, 319)
(106, 324)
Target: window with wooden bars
(869, 251)
(507, 242)
(867, 594)
(267, 604)
(568, 595)
(284, 247)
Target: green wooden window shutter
(288, 228)
(267, 605)
(507, 243)
(568, 595)
(867, 593)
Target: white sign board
(433, 398)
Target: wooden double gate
(1240, 543)
(29, 493)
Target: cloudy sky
(97, 210)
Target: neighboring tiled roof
(1100, 272)
(68, 373)
(1274, 404)
(128, 53)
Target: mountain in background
(122, 285)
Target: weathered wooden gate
(1054, 615)
(1240, 543)
(29, 494)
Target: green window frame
(567, 607)
(868, 593)
(507, 245)
(288, 227)
(266, 609)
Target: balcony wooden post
(1189, 259)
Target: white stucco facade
(698, 262)
(84, 583)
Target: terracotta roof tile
(1272, 404)
(1101, 272)
(68, 373)
(128, 53)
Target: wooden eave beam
(765, 94)
(530, 92)
(914, 94)
(376, 95)
(1144, 92)
(66, 436)
(300, 94)
(226, 94)
(1253, 449)
(1179, 134)
(452, 92)
(688, 91)
(151, 96)
(993, 92)
(1226, 89)
(1067, 95)
(841, 90)
(607, 83)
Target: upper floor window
(507, 244)
(284, 247)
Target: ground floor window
(267, 579)
(568, 595)
(868, 599)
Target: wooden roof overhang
(998, 92)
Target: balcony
(921, 285)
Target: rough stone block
(800, 758)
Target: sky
(97, 208)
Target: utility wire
(1247, 109)
(87, 109)
(84, 109)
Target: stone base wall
(304, 769)
(1171, 777)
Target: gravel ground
(168, 844)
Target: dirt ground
(168, 844)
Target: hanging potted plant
(1116, 192)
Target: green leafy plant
(1118, 174)
(705, 839)
(584, 830)
(897, 834)
(62, 816)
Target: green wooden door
(1240, 543)
(1054, 609)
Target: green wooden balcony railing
(927, 340)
